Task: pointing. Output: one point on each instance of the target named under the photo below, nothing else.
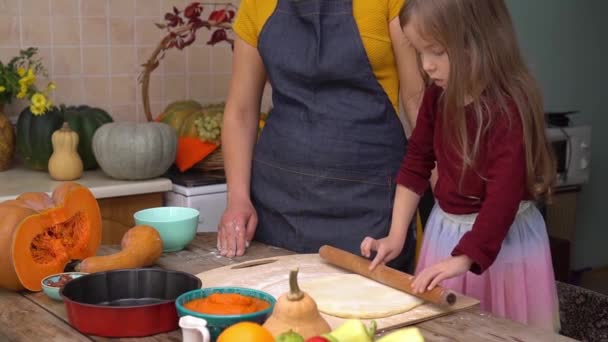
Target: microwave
(572, 149)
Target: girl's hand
(236, 228)
(433, 275)
(387, 249)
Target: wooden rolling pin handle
(384, 274)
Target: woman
(323, 170)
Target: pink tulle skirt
(520, 284)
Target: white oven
(572, 148)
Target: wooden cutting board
(271, 275)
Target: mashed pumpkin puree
(227, 304)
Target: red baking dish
(126, 303)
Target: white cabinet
(209, 200)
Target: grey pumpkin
(127, 150)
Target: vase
(7, 141)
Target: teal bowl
(52, 291)
(217, 323)
(176, 225)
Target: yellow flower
(2, 89)
(37, 110)
(40, 104)
(21, 71)
(27, 80)
(39, 100)
(22, 91)
(51, 86)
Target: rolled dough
(355, 296)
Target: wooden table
(29, 316)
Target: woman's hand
(446, 269)
(387, 249)
(236, 228)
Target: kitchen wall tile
(174, 88)
(146, 33)
(123, 90)
(94, 31)
(69, 91)
(221, 83)
(147, 8)
(6, 53)
(144, 53)
(97, 91)
(199, 58)
(36, 30)
(123, 113)
(94, 8)
(123, 60)
(221, 58)
(174, 61)
(96, 60)
(45, 55)
(67, 8)
(67, 61)
(66, 30)
(35, 7)
(201, 87)
(122, 30)
(9, 26)
(9, 8)
(167, 5)
(122, 8)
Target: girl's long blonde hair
(485, 63)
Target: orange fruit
(245, 332)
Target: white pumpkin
(127, 150)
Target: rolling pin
(385, 275)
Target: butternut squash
(65, 163)
(296, 311)
(140, 246)
(41, 234)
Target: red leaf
(218, 16)
(217, 36)
(193, 10)
(173, 20)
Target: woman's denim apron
(324, 167)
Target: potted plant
(18, 80)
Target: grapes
(209, 126)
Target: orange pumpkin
(140, 246)
(40, 234)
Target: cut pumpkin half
(41, 234)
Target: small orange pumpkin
(40, 234)
(297, 311)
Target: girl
(481, 123)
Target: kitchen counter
(31, 316)
(118, 199)
(19, 179)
